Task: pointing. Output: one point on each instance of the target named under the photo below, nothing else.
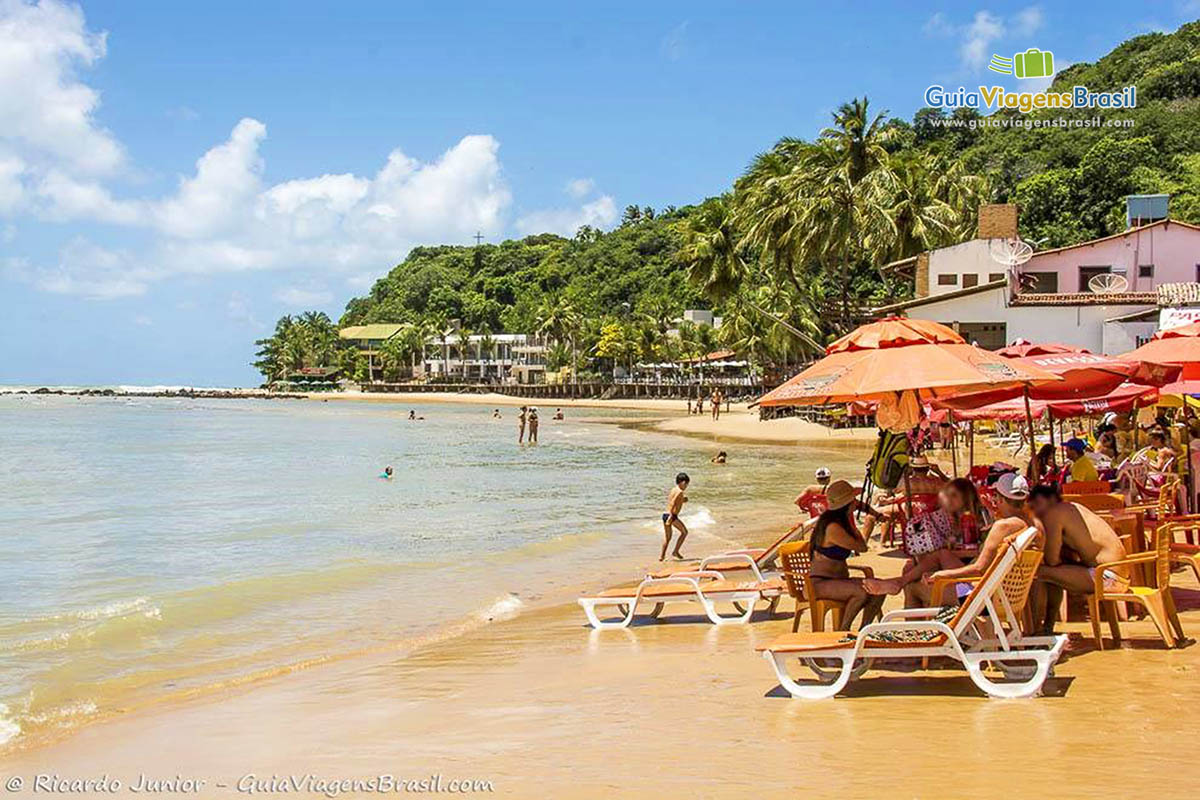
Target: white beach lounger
(970, 638)
(703, 587)
(757, 561)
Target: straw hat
(840, 494)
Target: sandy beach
(543, 706)
(535, 703)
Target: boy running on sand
(670, 519)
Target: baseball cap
(1013, 486)
(1075, 444)
(823, 473)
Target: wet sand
(541, 705)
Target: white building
(495, 358)
(1051, 297)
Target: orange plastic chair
(1086, 487)
(1016, 586)
(1185, 553)
(1156, 599)
(796, 560)
(1097, 502)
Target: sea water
(157, 548)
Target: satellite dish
(1010, 252)
(1108, 283)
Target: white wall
(1081, 326)
(971, 257)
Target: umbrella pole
(1032, 441)
(953, 443)
(970, 445)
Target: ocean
(158, 548)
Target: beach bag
(927, 533)
(887, 464)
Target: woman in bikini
(834, 540)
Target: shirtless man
(1012, 517)
(521, 424)
(1090, 540)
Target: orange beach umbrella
(896, 355)
(1173, 346)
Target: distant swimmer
(719, 458)
(558, 413)
(412, 414)
(670, 519)
(496, 414)
(386, 475)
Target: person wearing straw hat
(835, 538)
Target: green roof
(376, 330)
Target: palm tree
(487, 346)
(709, 248)
(560, 321)
(464, 349)
(441, 331)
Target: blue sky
(175, 176)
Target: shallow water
(159, 547)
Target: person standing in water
(521, 424)
(533, 425)
(671, 520)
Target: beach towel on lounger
(944, 615)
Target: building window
(1039, 282)
(947, 279)
(970, 279)
(1146, 271)
(1087, 273)
(995, 276)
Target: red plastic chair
(921, 504)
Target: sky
(176, 176)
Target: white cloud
(938, 25)
(183, 114)
(599, 213)
(580, 187)
(143, 320)
(45, 111)
(979, 37)
(303, 298)
(226, 180)
(984, 29)
(1028, 21)
(674, 45)
(89, 270)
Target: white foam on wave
(9, 729)
(64, 714)
(119, 608)
(502, 609)
(699, 519)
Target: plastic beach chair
(974, 636)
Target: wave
(9, 728)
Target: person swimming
(386, 475)
(496, 414)
(719, 458)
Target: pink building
(1055, 296)
(1147, 257)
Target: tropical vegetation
(790, 255)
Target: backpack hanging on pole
(888, 462)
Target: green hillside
(802, 233)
